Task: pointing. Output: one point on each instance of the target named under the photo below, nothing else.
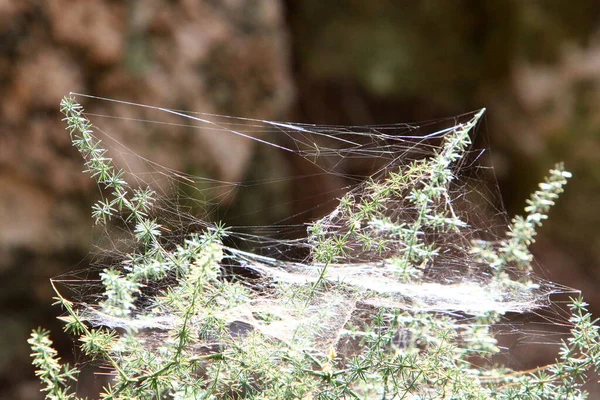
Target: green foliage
(424, 184)
(55, 378)
(522, 231)
(204, 351)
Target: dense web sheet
(314, 285)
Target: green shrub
(398, 298)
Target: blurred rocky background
(534, 64)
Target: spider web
(276, 263)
